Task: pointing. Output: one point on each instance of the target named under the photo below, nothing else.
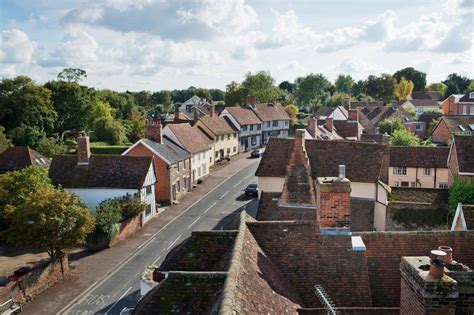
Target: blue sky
(152, 45)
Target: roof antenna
(325, 300)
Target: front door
(173, 192)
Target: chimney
(313, 127)
(176, 114)
(353, 115)
(333, 196)
(83, 150)
(251, 100)
(449, 254)
(437, 263)
(299, 139)
(154, 130)
(212, 111)
(329, 124)
(195, 114)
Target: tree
(344, 83)
(312, 90)
(292, 111)
(51, 219)
(29, 136)
(234, 95)
(404, 89)
(5, 143)
(359, 88)
(261, 85)
(51, 146)
(470, 87)
(217, 95)
(25, 104)
(456, 84)
(135, 127)
(440, 87)
(122, 103)
(381, 88)
(72, 75)
(109, 130)
(411, 74)
(338, 99)
(461, 192)
(287, 86)
(404, 138)
(389, 126)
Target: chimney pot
(449, 253)
(342, 172)
(437, 263)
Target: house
(448, 126)
(17, 158)
(336, 113)
(420, 105)
(322, 130)
(195, 101)
(458, 104)
(98, 177)
(172, 164)
(196, 143)
(433, 95)
(248, 124)
(222, 133)
(461, 159)
(275, 120)
(420, 167)
(329, 128)
(366, 166)
(419, 128)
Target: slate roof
(270, 112)
(465, 152)
(103, 171)
(16, 158)
(363, 160)
(427, 157)
(168, 149)
(466, 98)
(192, 139)
(453, 123)
(244, 116)
(218, 125)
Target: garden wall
(126, 228)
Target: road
(122, 288)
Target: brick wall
(334, 200)
(362, 214)
(441, 134)
(394, 207)
(126, 228)
(453, 166)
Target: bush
(110, 149)
(131, 207)
(461, 192)
(421, 217)
(109, 130)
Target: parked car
(257, 153)
(251, 190)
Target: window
(242, 141)
(464, 110)
(178, 186)
(259, 127)
(185, 183)
(148, 210)
(418, 127)
(404, 184)
(412, 184)
(178, 166)
(228, 150)
(472, 110)
(268, 124)
(235, 149)
(244, 128)
(148, 190)
(471, 94)
(400, 170)
(275, 123)
(251, 127)
(443, 185)
(235, 135)
(286, 123)
(253, 140)
(427, 172)
(228, 137)
(184, 164)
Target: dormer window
(471, 94)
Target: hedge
(421, 217)
(109, 149)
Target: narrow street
(121, 288)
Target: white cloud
(16, 47)
(359, 68)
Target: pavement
(106, 282)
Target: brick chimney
(195, 114)
(329, 124)
(299, 140)
(83, 150)
(212, 111)
(313, 127)
(333, 195)
(176, 114)
(251, 100)
(154, 130)
(353, 115)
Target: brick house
(420, 167)
(97, 177)
(17, 158)
(248, 124)
(419, 128)
(196, 143)
(461, 159)
(448, 126)
(322, 130)
(222, 133)
(275, 120)
(420, 105)
(458, 104)
(172, 163)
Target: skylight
(471, 126)
(462, 128)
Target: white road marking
(212, 205)
(248, 176)
(193, 222)
(121, 297)
(171, 245)
(223, 195)
(237, 184)
(156, 260)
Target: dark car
(257, 153)
(251, 190)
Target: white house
(96, 178)
(275, 120)
(248, 124)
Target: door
(173, 192)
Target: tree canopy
(381, 87)
(261, 85)
(456, 84)
(72, 75)
(404, 138)
(344, 83)
(389, 126)
(403, 89)
(411, 74)
(312, 90)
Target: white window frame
(427, 171)
(400, 170)
(418, 127)
(464, 110)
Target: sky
(154, 45)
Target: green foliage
(51, 146)
(131, 207)
(292, 111)
(403, 89)
(312, 90)
(461, 192)
(470, 87)
(359, 88)
(122, 103)
(109, 130)
(338, 98)
(217, 95)
(234, 94)
(381, 88)
(440, 87)
(72, 75)
(287, 86)
(51, 219)
(5, 143)
(134, 126)
(456, 84)
(29, 136)
(421, 217)
(389, 126)
(411, 74)
(344, 84)
(404, 138)
(262, 85)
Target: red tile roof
(16, 158)
(192, 139)
(244, 116)
(465, 152)
(428, 157)
(218, 125)
(270, 112)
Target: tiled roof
(244, 116)
(366, 123)
(16, 158)
(424, 102)
(465, 152)
(427, 118)
(347, 129)
(191, 138)
(466, 98)
(271, 111)
(434, 95)
(377, 138)
(275, 158)
(323, 111)
(453, 123)
(428, 157)
(168, 149)
(218, 125)
(103, 171)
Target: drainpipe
(435, 177)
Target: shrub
(461, 192)
(421, 217)
(114, 149)
(131, 207)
